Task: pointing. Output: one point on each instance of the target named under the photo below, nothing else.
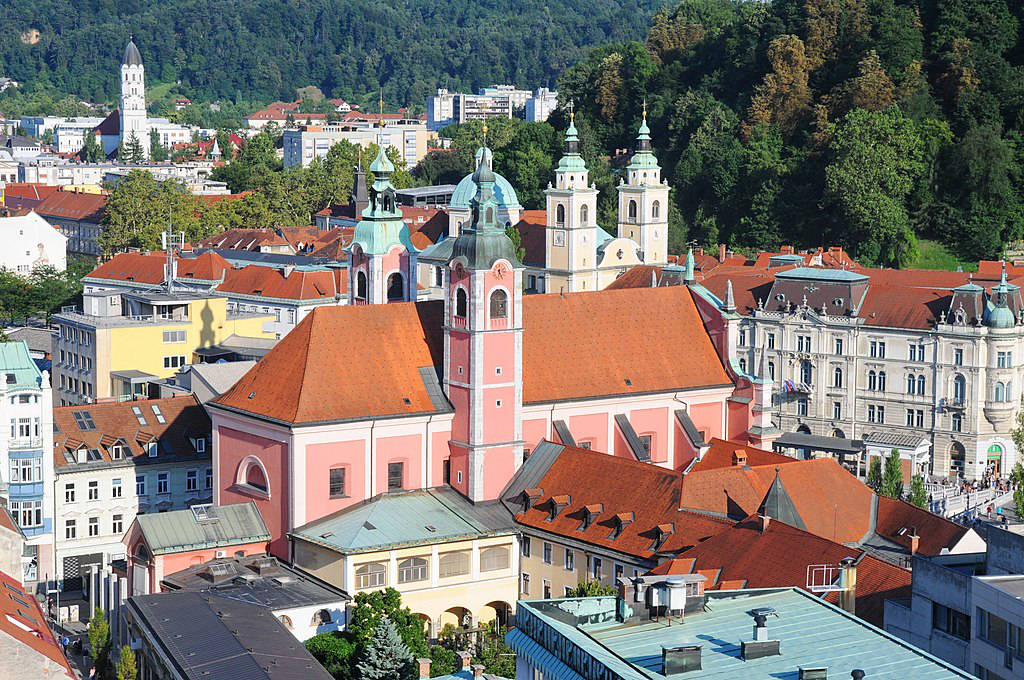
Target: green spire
(644, 158)
(382, 227)
(688, 276)
(484, 242)
(572, 160)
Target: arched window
(560, 214)
(361, 285)
(460, 303)
(806, 372)
(254, 477)
(959, 388)
(631, 211)
(499, 304)
(584, 215)
(872, 380)
(492, 559)
(1000, 392)
(321, 618)
(656, 209)
(396, 288)
(372, 575)
(453, 564)
(412, 569)
(743, 365)
(286, 621)
(911, 384)
(837, 377)
(920, 384)
(957, 456)
(490, 215)
(881, 381)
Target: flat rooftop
(812, 633)
(1011, 585)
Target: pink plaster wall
(707, 418)
(534, 430)
(439, 453)
(320, 458)
(593, 428)
(499, 421)
(405, 449)
(499, 350)
(234, 447)
(499, 466)
(738, 420)
(459, 463)
(621, 448)
(654, 422)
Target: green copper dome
(484, 242)
(643, 158)
(464, 193)
(572, 161)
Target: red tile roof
(649, 492)
(23, 620)
(184, 418)
(148, 268)
(244, 239)
(7, 522)
(73, 205)
(273, 282)
(721, 452)
(780, 556)
(360, 362)
(29, 190)
(897, 519)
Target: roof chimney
(739, 458)
(857, 674)
(424, 667)
(765, 521)
(760, 646)
(813, 673)
(721, 252)
(465, 658)
(848, 582)
(787, 250)
(915, 541)
(478, 670)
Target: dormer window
(558, 503)
(590, 514)
(622, 520)
(661, 533)
(529, 496)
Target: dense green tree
(590, 588)
(1017, 474)
(16, 297)
(386, 657)
(442, 166)
(370, 608)
(1018, 502)
(126, 668)
(130, 150)
(443, 661)
(99, 642)
(874, 479)
(334, 651)
(140, 208)
(92, 151)
(876, 159)
(157, 151)
(892, 476)
(918, 493)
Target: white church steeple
(133, 98)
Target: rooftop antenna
(171, 241)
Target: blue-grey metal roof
(182, 530)
(531, 472)
(811, 632)
(562, 430)
(219, 639)
(811, 273)
(17, 369)
(131, 55)
(407, 518)
(427, 191)
(630, 435)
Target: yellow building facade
(121, 340)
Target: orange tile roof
(720, 455)
(780, 555)
(244, 239)
(897, 519)
(7, 522)
(73, 205)
(559, 361)
(184, 418)
(24, 621)
(272, 282)
(148, 268)
(29, 190)
(622, 486)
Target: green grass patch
(934, 255)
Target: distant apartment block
(495, 101)
(408, 136)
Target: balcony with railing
(23, 443)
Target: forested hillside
(866, 123)
(262, 50)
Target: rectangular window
(957, 424)
(525, 581)
(158, 414)
(839, 346)
(837, 410)
(69, 493)
(770, 340)
(547, 553)
(801, 406)
(871, 413)
(595, 570)
(618, 573)
(176, 361)
(993, 629)
(742, 337)
(70, 531)
(209, 478)
(803, 343)
(94, 526)
(910, 417)
(337, 483)
(163, 483)
(140, 485)
(117, 526)
(547, 589)
(174, 337)
(192, 480)
(958, 357)
(881, 414)
(396, 475)
(94, 490)
(27, 514)
(919, 419)
(115, 488)
(524, 546)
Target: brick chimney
(787, 250)
(424, 666)
(721, 252)
(465, 659)
(915, 541)
(765, 521)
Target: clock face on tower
(499, 271)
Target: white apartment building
(540, 105)
(29, 241)
(495, 101)
(855, 354)
(409, 137)
(26, 461)
(69, 134)
(117, 460)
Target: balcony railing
(25, 443)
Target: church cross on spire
(572, 111)
(645, 108)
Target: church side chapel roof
(369, 361)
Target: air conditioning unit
(221, 553)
